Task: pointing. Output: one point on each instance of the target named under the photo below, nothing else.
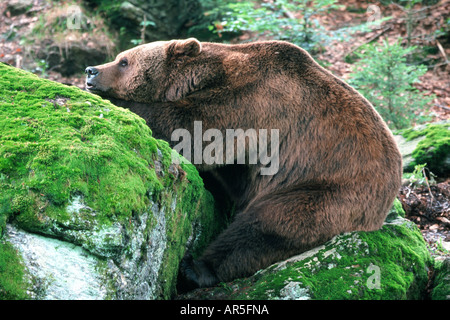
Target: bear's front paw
(187, 279)
(194, 274)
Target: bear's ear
(181, 48)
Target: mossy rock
(12, 274)
(77, 168)
(428, 144)
(390, 264)
(441, 287)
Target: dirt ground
(429, 207)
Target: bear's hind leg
(269, 230)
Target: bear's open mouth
(91, 87)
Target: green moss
(388, 264)
(441, 290)
(434, 149)
(195, 215)
(57, 141)
(12, 281)
(396, 211)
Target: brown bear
(339, 168)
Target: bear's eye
(123, 63)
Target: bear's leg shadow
(270, 229)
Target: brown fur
(340, 169)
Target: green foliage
(276, 20)
(409, 3)
(294, 21)
(144, 24)
(54, 22)
(111, 13)
(444, 30)
(412, 14)
(418, 176)
(383, 76)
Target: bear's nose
(91, 71)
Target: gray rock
(294, 291)
(406, 149)
(60, 270)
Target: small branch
(441, 106)
(434, 66)
(370, 40)
(442, 51)
(288, 13)
(444, 221)
(409, 192)
(428, 185)
(144, 26)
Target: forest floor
(427, 206)
(435, 81)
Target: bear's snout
(91, 72)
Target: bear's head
(154, 72)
